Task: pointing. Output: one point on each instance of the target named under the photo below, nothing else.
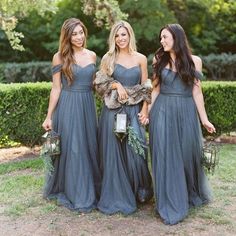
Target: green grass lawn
(21, 186)
(224, 189)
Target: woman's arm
(143, 114)
(54, 94)
(122, 94)
(156, 86)
(199, 100)
(155, 91)
(93, 56)
(94, 60)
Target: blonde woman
(71, 113)
(126, 178)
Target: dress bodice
(83, 76)
(172, 84)
(127, 76)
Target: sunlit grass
(21, 185)
(34, 164)
(223, 183)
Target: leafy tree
(44, 30)
(11, 11)
(42, 33)
(209, 24)
(107, 12)
(147, 18)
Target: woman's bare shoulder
(91, 54)
(140, 58)
(56, 60)
(197, 62)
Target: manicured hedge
(220, 102)
(23, 108)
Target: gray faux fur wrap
(137, 93)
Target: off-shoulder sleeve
(56, 68)
(199, 75)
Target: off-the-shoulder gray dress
(126, 178)
(176, 150)
(75, 182)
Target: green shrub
(215, 67)
(23, 108)
(221, 67)
(220, 104)
(25, 72)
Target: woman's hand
(47, 124)
(209, 127)
(143, 116)
(122, 94)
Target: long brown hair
(184, 63)
(65, 48)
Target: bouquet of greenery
(136, 142)
(50, 149)
(123, 128)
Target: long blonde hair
(108, 61)
(65, 47)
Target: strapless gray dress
(176, 150)
(75, 182)
(126, 178)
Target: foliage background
(209, 24)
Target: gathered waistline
(176, 94)
(81, 88)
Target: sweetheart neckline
(127, 67)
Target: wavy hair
(108, 62)
(65, 47)
(184, 64)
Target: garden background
(29, 34)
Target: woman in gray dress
(126, 178)
(71, 113)
(175, 132)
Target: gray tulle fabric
(176, 150)
(126, 178)
(75, 183)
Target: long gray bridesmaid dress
(75, 182)
(126, 178)
(176, 144)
